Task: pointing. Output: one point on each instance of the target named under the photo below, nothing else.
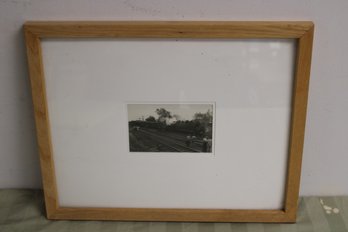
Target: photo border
(302, 32)
(212, 153)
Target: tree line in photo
(200, 125)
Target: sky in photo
(185, 111)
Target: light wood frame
(301, 31)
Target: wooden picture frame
(302, 32)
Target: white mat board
(89, 82)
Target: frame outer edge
(37, 82)
(298, 122)
(303, 32)
(172, 215)
(170, 29)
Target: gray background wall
(325, 160)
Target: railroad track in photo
(157, 141)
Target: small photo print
(171, 127)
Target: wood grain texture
(176, 29)
(298, 121)
(301, 31)
(188, 215)
(37, 82)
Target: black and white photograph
(171, 127)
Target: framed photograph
(170, 121)
(172, 127)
